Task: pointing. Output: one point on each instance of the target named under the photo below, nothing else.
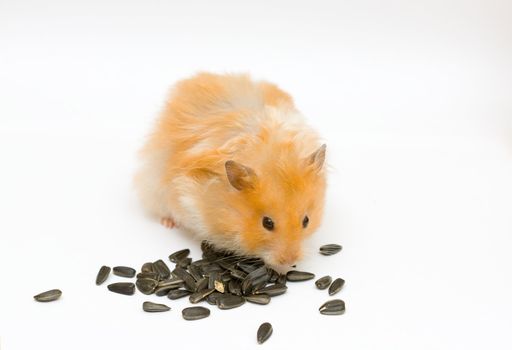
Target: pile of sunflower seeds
(220, 278)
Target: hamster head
(277, 205)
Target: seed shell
(202, 284)
(162, 269)
(262, 299)
(102, 275)
(333, 307)
(126, 288)
(180, 254)
(195, 272)
(146, 285)
(211, 279)
(178, 293)
(148, 306)
(162, 291)
(230, 302)
(212, 298)
(336, 286)
(151, 275)
(181, 273)
(50, 295)
(124, 271)
(195, 313)
(264, 332)
(147, 267)
(238, 274)
(184, 262)
(173, 283)
(330, 249)
(234, 287)
(272, 290)
(295, 276)
(198, 296)
(323, 282)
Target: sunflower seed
(208, 269)
(238, 274)
(230, 302)
(180, 254)
(258, 273)
(178, 293)
(102, 275)
(295, 276)
(148, 306)
(330, 249)
(146, 285)
(190, 283)
(333, 307)
(195, 313)
(200, 262)
(323, 282)
(184, 262)
(211, 279)
(259, 283)
(195, 272)
(212, 298)
(246, 267)
(162, 269)
(162, 291)
(50, 295)
(147, 267)
(264, 332)
(173, 283)
(234, 287)
(262, 299)
(225, 277)
(126, 288)
(151, 275)
(246, 286)
(254, 280)
(198, 296)
(228, 263)
(202, 284)
(124, 271)
(272, 290)
(336, 286)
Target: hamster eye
(305, 221)
(268, 223)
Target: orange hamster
(232, 161)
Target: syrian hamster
(232, 161)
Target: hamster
(232, 161)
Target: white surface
(414, 101)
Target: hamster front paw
(167, 222)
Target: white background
(414, 99)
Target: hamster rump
(232, 161)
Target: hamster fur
(227, 152)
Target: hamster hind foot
(168, 222)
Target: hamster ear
(317, 158)
(240, 176)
